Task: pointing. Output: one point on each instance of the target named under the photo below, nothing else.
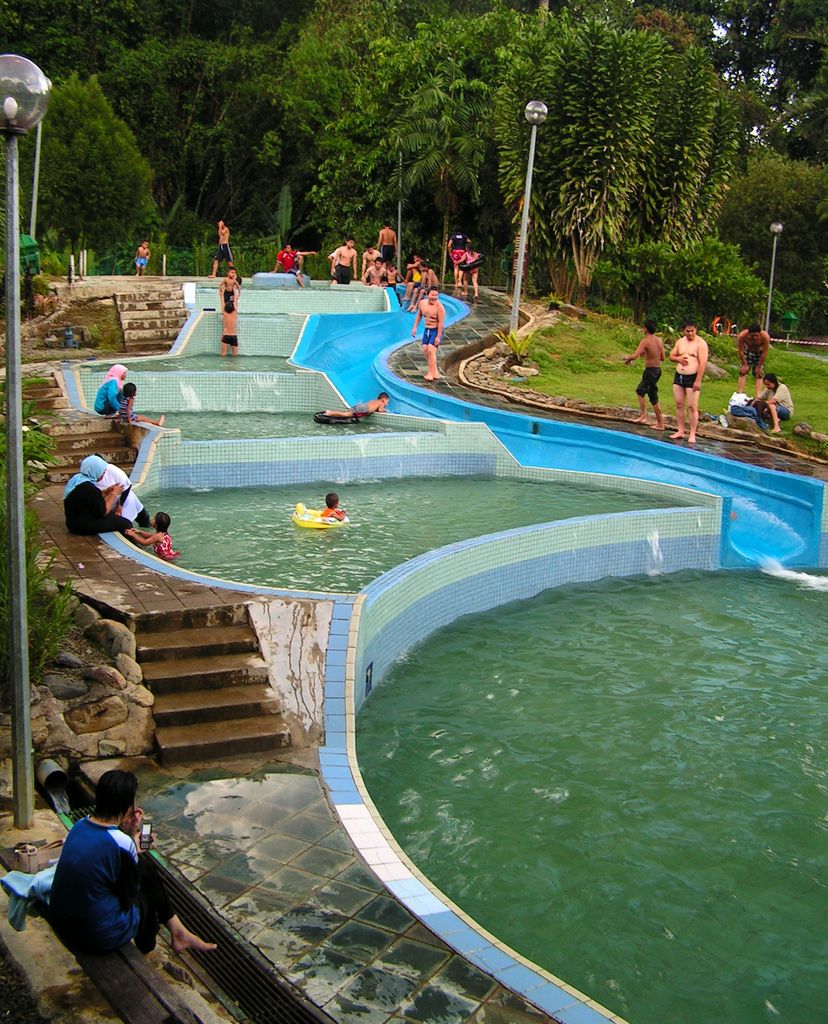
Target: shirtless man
(223, 248)
(375, 274)
(651, 348)
(229, 293)
(387, 242)
(368, 258)
(690, 352)
(413, 275)
(344, 262)
(142, 255)
(752, 344)
(433, 313)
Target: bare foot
(658, 426)
(777, 431)
(640, 419)
(691, 439)
(161, 421)
(430, 379)
(677, 436)
(182, 938)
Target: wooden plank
(134, 989)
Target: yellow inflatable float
(311, 519)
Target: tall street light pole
(535, 113)
(24, 96)
(776, 230)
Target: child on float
(332, 509)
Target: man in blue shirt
(105, 892)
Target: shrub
(519, 347)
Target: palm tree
(441, 134)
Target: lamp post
(776, 230)
(24, 96)
(535, 113)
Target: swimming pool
(198, 427)
(626, 782)
(391, 522)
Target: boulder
(129, 669)
(65, 687)
(97, 716)
(817, 436)
(713, 372)
(107, 675)
(802, 430)
(111, 748)
(575, 312)
(112, 636)
(85, 616)
(68, 660)
(141, 696)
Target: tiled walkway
(264, 848)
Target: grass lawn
(584, 360)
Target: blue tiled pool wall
(218, 391)
(259, 334)
(776, 515)
(403, 606)
(356, 299)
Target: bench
(134, 989)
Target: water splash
(804, 580)
(656, 553)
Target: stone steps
(203, 671)
(209, 740)
(233, 702)
(150, 321)
(211, 685)
(75, 439)
(233, 639)
(46, 394)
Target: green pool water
(200, 426)
(247, 534)
(627, 783)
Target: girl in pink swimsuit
(160, 540)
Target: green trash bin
(29, 255)
(789, 323)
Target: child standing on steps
(160, 540)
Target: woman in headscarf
(130, 504)
(89, 511)
(109, 393)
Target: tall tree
(441, 135)
(94, 184)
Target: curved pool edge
(404, 606)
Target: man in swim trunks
(223, 249)
(433, 313)
(690, 352)
(229, 294)
(651, 348)
(344, 262)
(387, 242)
(361, 409)
(752, 344)
(142, 255)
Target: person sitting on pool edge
(105, 893)
(332, 509)
(361, 409)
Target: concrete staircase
(83, 435)
(151, 320)
(210, 683)
(45, 392)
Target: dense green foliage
(48, 606)
(654, 108)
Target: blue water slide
(767, 514)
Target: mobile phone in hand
(145, 839)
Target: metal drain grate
(239, 970)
